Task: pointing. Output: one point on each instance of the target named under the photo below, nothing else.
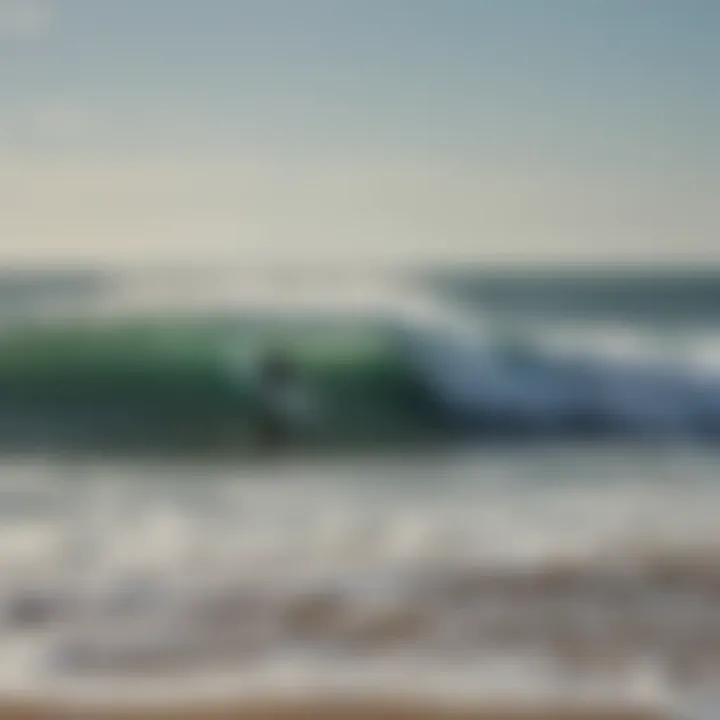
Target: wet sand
(319, 710)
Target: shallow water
(540, 570)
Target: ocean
(506, 489)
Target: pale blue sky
(479, 129)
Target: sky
(493, 131)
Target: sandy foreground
(317, 710)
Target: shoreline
(319, 709)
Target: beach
(323, 710)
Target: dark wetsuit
(273, 424)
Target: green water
(190, 380)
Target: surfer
(280, 401)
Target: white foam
(386, 542)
